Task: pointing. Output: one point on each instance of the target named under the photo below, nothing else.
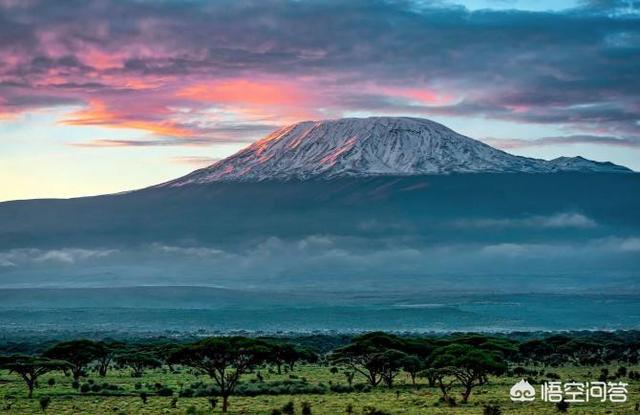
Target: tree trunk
(466, 393)
(30, 385)
(225, 403)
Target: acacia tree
(105, 352)
(412, 365)
(79, 353)
(281, 353)
(285, 353)
(469, 365)
(30, 368)
(375, 356)
(138, 362)
(223, 359)
(431, 375)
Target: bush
(51, 382)
(165, 391)
(362, 387)
(85, 388)
(370, 410)
(144, 397)
(340, 388)
(95, 388)
(283, 387)
(191, 410)
(187, 393)
(562, 406)
(306, 408)
(553, 376)
(492, 410)
(288, 408)
(75, 384)
(44, 403)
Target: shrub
(306, 408)
(75, 384)
(138, 385)
(95, 388)
(621, 372)
(340, 388)
(191, 410)
(492, 410)
(187, 393)
(44, 403)
(370, 410)
(552, 375)
(165, 391)
(562, 406)
(288, 408)
(85, 388)
(144, 397)
(51, 382)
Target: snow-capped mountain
(375, 146)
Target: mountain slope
(364, 147)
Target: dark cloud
(576, 67)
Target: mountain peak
(374, 146)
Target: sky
(106, 96)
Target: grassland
(401, 399)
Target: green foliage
(79, 353)
(31, 368)
(138, 362)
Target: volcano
(375, 146)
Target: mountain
(375, 146)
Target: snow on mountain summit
(361, 147)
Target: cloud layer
(206, 72)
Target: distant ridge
(375, 146)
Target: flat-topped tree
(471, 366)
(79, 353)
(105, 352)
(376, 356)
(30, 368)
(138, 362)
(285, 353)
(223, 359)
